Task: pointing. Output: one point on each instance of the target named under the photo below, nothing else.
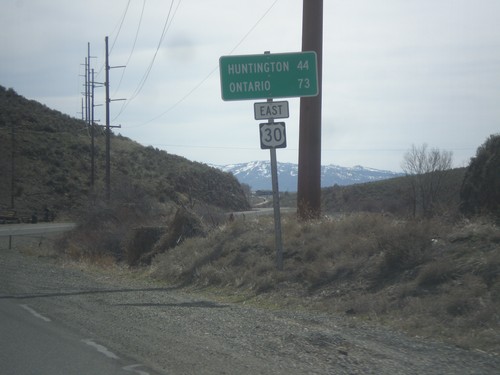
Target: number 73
(304, 83)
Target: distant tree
(247, 190)
(425, 170)
(480, 192)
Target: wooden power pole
(309, 178)
(108, 126)
(108, 129)
(12, 164)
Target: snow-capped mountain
(257, 174)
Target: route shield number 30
(272, 135)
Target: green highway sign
(278, 75)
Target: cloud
(395, 72)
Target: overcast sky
(395, 72)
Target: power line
(180, 100)
(166, 26)
(133, 46)
(142, 82)
(120, 26)
(209, 74)
(253, 27)
(206, 147)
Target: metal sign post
(268, 76)
(276, 199)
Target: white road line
(132, 368)
(101, 349)
(34, 313)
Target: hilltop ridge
(257, 174)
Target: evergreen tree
(480, 192)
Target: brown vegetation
(429, 277)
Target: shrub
(140, 241)
(404, 247)
(185, 224)
(238, 250)
(436, 272)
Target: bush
(403, 250)
(234, 254)
(141, 241)
(104, 228)
(185, 224)
(436, 272)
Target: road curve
(267, 211)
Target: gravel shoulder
(175, 332)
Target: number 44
(303, 65)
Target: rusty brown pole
(309, 178)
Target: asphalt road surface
(35, 344)
(33, 229)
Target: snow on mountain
(257, 174)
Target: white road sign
(272, 135)
(267, 110)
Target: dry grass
(31, 245)
(430, 277)
(231, 255)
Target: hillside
(257, 174)
(390, 196)
(52, 166)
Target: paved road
(35, 344)
(28, 229)
(269, 211)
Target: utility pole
(89, 111)
(108, 131)
(83, 114)
(12, 163)
(309, 178)
(86, 90)
(87, 79)
(108, 126)
(12, 168)
(92, 135)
